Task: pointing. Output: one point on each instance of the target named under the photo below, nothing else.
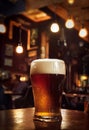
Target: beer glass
(47, 78)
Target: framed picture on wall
(32, 53)
(8, 50)
(33, 37)
(8, 62)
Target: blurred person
(19, 87)
(2, 96)
(7, 96)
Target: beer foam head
(50, 66)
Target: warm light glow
(54, 27)
(69, 23)
(19, 49)
(84, 77)
(2, 28)
(65, 43)
(78, 83)
(83, 32)
(71, 1)
(23, 78)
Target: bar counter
(22, 119)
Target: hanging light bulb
(2, 28)
(69, 23)
(54, 27)
(2, 25)
(19, 48)
(83, 32)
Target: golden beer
(47, 76)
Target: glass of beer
(47, 78)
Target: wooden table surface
(22, 119)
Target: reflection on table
(22, 119)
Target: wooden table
(75, 95)
(22, 119)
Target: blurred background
(27, 33)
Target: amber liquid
(47, 90)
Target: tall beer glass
(47, 77)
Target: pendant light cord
(20, 31)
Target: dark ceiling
(10, 7)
